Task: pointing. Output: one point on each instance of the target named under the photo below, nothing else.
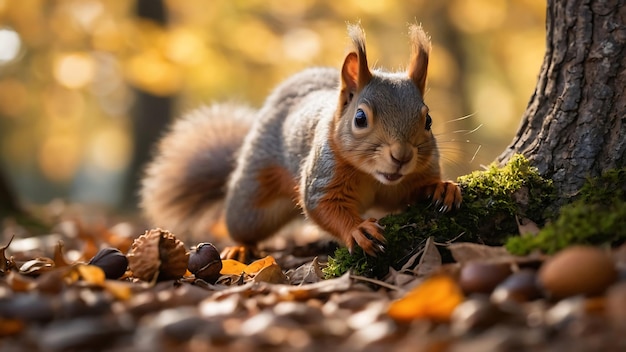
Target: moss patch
(597, 217)
(491, 201)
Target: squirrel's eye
(360, 119)
(429, 122)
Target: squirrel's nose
(401, 156)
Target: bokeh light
(10, 45)
(69, 71)
(74, 70)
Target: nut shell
(205, 262)
(111, 261)
(158, 254)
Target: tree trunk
(8, 202)
(574, 125)
(151, 113)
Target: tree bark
(574, 125)
(8, 201)
(151, 113)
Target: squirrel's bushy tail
(183, 187)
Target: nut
(205, 262)
(577, 270)
(483, 277)
(111, 261)
(158, 254)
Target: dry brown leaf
(340, 284)
(526, 226)
(5, 263)
(430, 262)
(435, 299)
(399, 278)
(59, 256)
(306, 273)
(19, 283)
(464, 252)
(272, 274)
(52, 281)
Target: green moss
(491, 200)
(596, 217)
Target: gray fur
(281, 137)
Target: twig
(376, 282)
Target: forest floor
(484, 299)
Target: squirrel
(329, 143)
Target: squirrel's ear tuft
(355, 73)
(418, 67)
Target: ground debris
(52, 299)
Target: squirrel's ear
(418, 67)
(355, 73)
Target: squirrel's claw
(368, 235)
(447, 196)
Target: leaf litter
(49, 289)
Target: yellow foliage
(78, 62)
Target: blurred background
(87, 86)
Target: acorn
(205, 262)
(158, 255)
(111, 261)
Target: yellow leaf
(436, 298)
(92, 274)
(232, 267)
(120, 289)
(258, 265)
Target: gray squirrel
(329, 144)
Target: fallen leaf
(436, 298)
(306, 273)
(52, 281)
(37, 266)
(527, 226)
(19, 283)
(259, 265)
(232, 267)
(5, 264)
(91, 274)
(10, 327)
(464, 252)
(339, 284)
(430, 262)
(59, 256)
(272, 274)
(119, 289)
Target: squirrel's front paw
(368, 235)
(447, 195)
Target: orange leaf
(232, 267)
(260, 264)
(436, 298)
(92, 274)
(10, 327)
